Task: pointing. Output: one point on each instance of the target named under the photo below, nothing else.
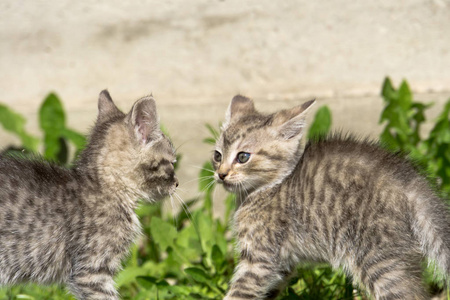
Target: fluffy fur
(341, 200)
(73, 226)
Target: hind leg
(393, 275)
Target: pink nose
(223, 175)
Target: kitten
(73, 226)
(342, 201)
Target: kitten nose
(223, 175)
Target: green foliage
(190, 254)
(403, 118)
(214, 135)
(195, 259)
(15, 123)
(52, 121)
(321, 124)
(321, 282)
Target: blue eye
(243, 157)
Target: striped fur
(341, 200)
(73, 226)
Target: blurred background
(194, 56)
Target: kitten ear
(239, 105)
(144, 120)
(106, 106)
(290, 122)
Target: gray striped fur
(339, 200)
(73, 226)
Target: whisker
(208, 186)
(202, 168)
(180, 189)
(201, 179)
(185, 209)
(173, 212)
(182, 144)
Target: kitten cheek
(230, 187)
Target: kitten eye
(243, 157)
(217, 156)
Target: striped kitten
(342, 201)
(74, 226)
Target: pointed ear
(290, 122)
(106, 106)
(144, 120)
(239, 106)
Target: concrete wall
(195, 55)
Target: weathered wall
(195, 55)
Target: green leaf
(217, 258)
(389, 113)
(51, 115)
(63, 153)
(163, 233)
(129, 275)
(321, 124)
(404, 96)
(387, 90)
(15, 123)
(206, 179)
(206, 231)
(76, 138)
(147, 282)
(54, 144)
(210, 141)
(30, 142)
(213, 131)
(230, 206)
(441, 131)
(179, 290)
(189, 240)
(419, 115)
(198, 275)
(11, 121)
(52, 121)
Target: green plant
(52, 121)
(403, 118)
(321, 124)
(15, 123)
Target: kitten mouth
(172, 191)
(229, 186)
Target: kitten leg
(256, 279)
(273, 294)
(93, 284)
(394, 277)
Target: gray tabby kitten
(342, 201)
(74, 226)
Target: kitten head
(129, 153)
(256, 150)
